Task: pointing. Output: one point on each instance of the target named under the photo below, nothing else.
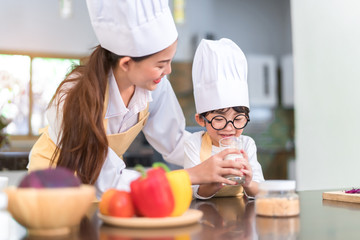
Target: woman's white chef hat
(133, 28)
(219, 76)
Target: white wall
(326, 37)
(257, 26)
(36, 26)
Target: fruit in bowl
(50, 201)
(157, 193)
(50, 178)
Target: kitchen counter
(233, 218)
(13, 160)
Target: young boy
(222, 106)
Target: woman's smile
(157, 80)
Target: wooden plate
(342, 196)
(189, 217)
(113, 232)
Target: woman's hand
(215, 168)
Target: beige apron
(44, 147)
(205, 153)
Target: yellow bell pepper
(181, 187)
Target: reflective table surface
(225, 218)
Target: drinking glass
(232, 142)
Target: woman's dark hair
(83, 145)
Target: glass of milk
(232, 142)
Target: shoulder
(162, 87)
(64, 88)
(192, 146)
(194, 138)
(163, 96)
(248, 141)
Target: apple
(50, 178)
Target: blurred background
(288, 44)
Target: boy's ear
(124, 63)
(199, 120)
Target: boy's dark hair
(239, 109)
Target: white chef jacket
(192, 146)
(164, 130)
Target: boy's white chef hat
(219, 76)
(133, 28)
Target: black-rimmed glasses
(220, 122)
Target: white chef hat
(133, 28)
(219, 76)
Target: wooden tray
(189, 217)
(342, 196)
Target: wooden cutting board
(341, 196)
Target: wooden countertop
(234, 218)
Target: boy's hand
(215, 168)
(246, 168)
(251, 188)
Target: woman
(100, 108)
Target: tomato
(104, 202)
(121, 205)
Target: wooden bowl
(50, 211)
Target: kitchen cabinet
(262, 80)
(13, 161)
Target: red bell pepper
(152, 194)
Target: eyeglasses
(220, 122)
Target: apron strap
(120, 142)
(206, 147)
(106, 101)
(42, 151)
